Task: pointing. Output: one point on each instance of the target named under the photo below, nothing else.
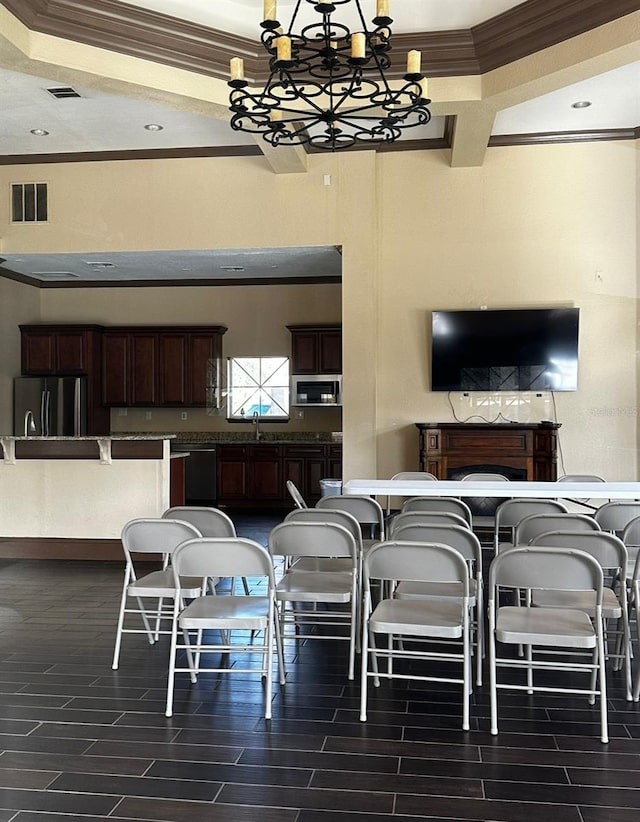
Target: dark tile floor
(80, 741)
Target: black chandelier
(327, 85)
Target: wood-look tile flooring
(80, 741)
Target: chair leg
(493, 687)
(119, 627)
(363, 673)
(172, 662)
(466, 675)
(604, 726)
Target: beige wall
(534, 226)
(18, 304)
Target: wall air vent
(29, 203)
(60, 92)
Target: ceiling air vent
(55, 275)
(60, 92)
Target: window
(258, 385)
(29, 203)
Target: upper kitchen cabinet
(58, 349)
(50, 350)
(168, 366)
(316, 349)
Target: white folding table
(513, 488)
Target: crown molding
(546, 137)
(528, 27)
(130, 154)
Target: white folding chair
(415, 628)
(633, 585)
(615, 516)
(210, 617)
(211, 522)
(319, 600)
(451, 505)
(296, 496)
(420, 476)
(549, 631)
(580, 505)
(145, 537)
(467, 543)
(535, 524)
(366, 510)
(611, 553)
(511, 511)
(425, 518)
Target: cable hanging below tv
(523, 349)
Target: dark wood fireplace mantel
(528, 450)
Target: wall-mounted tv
(532, 349)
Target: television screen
(532, 349)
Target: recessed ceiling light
(231, 268)
(154, 127)
(39, 132)
(581, 104)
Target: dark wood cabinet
(48, 350)
(316, 349)
(256, 474)
(525, 451)
(171, 367)
(54, 350)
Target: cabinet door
(38, 352)
(232, 474)
(71, 352)
(203, 370)
(304, 352)
(173, 369)
(266, 473)
(334, 462)
(330, 352)
(115, 369)
(144, 368)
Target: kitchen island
(70, 496)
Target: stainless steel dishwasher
(200, 472)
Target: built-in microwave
(316, 389)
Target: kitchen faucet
(29, 424)
(256, 422)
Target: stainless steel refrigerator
(50, 406)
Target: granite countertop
(95, 437)
(267, 437)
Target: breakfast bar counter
(79, 488)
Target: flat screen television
(532, 349)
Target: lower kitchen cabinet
(255, 475)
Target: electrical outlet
(299, 415)
(148, 415)
(183, 415)
(122, 412)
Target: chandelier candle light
(327, 86)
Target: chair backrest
(511, 511)
(155, 535)
(211, 522)
(606, 548)
(614, 516)
(366, 510)
(483, 476)
(535, 524)
(455, 536)
(631, 533)
(222, 557)
(415, 475)
(544, 567)
(445, 504)
(421, 476)
(313, 539)
(295, 494)
(580, 478)
(343, 518)
(416, 562)
(409, 518)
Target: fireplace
(529, 449)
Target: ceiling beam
(283, 159)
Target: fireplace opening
(486, 506)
